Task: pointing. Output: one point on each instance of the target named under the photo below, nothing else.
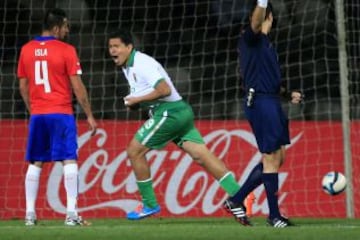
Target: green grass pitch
(183, 228)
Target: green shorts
(171, 121)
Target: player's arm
(24, 91)
(82, 98)
(258, 16)
(161, 89)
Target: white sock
(31, 187)
(71, 182)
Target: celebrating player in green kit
(171, 119)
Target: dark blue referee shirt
(259, 63)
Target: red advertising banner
(108, 186)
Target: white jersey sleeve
(146, 74)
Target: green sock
(229, 184)
(147, 193)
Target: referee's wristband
(262, 3)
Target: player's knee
(135, 151)
(132, 152)
(37, 164)
(271, 163)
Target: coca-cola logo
(173, 182)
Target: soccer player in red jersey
(49, 72)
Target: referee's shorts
(269, 123)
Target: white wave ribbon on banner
(106, 171)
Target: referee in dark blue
(262, 81)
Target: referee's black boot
(238, 211)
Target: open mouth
(115, 59)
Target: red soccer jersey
(48, 63)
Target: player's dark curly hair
(124, 35)
(54, 17)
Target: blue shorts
(52, 137)
(268, 122)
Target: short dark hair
(54, 18)
(124, 35)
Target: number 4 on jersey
(41, 75)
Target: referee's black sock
(253, 180)
(271, 183)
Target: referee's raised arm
(258, 15)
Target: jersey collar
(44, 38)
(130, 61)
